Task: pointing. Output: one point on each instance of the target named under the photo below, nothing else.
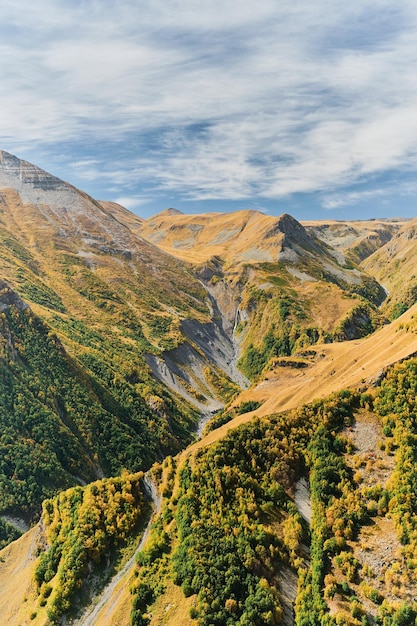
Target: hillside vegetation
(279, 287)
(63, 424)
(231, 533)
(119, 337)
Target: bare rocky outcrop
(183, 368)
(9, 298)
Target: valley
(207, 419)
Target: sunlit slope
(123, 215)
(56, 241)
(244, 236)
(395, 266)
(352, 363)
(356, 239)
(83, 267)
(17, 589)
(41, 579)
(277, 285)
(325, 369)
(100, 298)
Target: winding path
(90, 615)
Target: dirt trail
(91, 615)
(302, 499)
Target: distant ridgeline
(119, 337)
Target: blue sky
(308, 108)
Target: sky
(307, 108)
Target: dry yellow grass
(116, 611)
(172, 608)
(327, 304)
(18, 598)
(125, 217)
(241, 236)
(341, 365)
(236, 237)
(338, 366)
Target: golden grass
(327, 304)
(18, 598)
(172, 608)
(234, 237)
(122, 215)
(116, 611)
(337, 366)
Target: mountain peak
(51, 205)
(289, 227)
(168, 212)
(13, 169)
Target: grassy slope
(290, 288)
(344, 365)
(394, 265)
(82, 297)
(398, 344)
(17, 589)
(172, 607)
(97, 269)
(357, 239)
(108, 296)
(355, 514)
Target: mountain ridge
(120, 335)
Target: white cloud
(213, 100)
(352, 198)
(132, 202)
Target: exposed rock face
(12, 168)
(356, 240)
(182, 369)
(55, 227)
(9, 298)
(26, 178)
(289, 227)
(60, 205)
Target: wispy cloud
(132, 202)
(212, 100)
(352, 198)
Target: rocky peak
(56, 207)
(167, 213)
(294, 234)
(290, 227)
(14, 170)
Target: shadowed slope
(328, 368)
(277, 286)
(394, 265)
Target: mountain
(394, 266)
(120, 336)
(86, 305)
(278, 286)
(356, 239)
